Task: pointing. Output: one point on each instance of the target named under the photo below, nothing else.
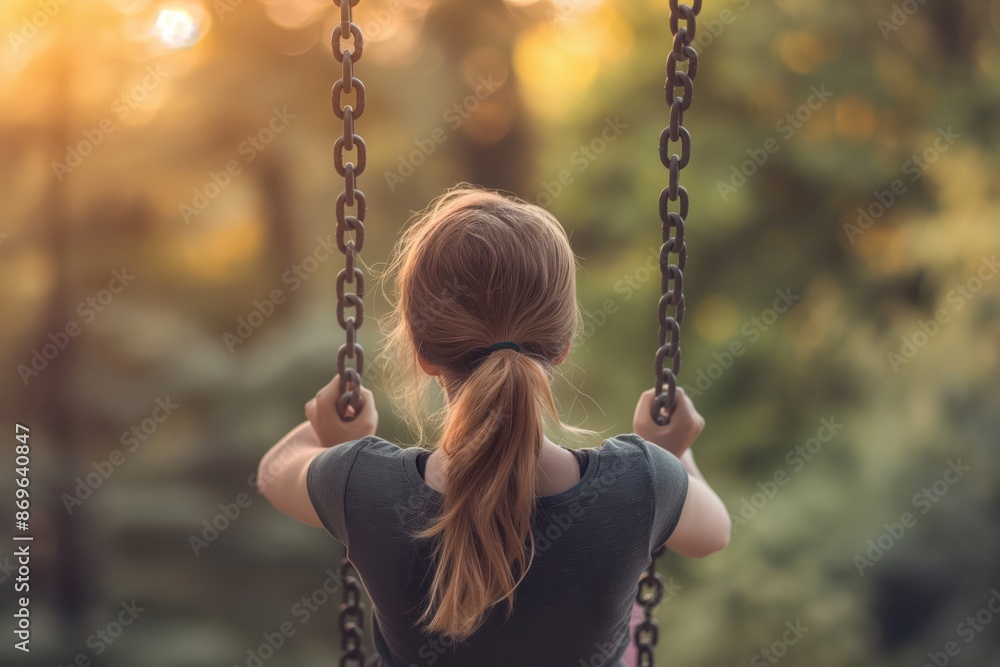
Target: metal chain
(648, 632)
(352, 618)
(671, 307)
(351, 275)
(352, 608)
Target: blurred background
(168, 190)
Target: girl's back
(592, 543)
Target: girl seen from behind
(498, 546)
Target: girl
(499, 547)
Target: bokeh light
(180, 27)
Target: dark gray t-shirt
(592, 541)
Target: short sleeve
(326, 482)
(670, 486)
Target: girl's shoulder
(373, 445)
(374, 452)
(368, 452)
(624, 446)
(379, 446)
(632, 455)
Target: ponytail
(490, 445)
(473, 269)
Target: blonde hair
(474, 269)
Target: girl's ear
(428, 368)
(562, 357)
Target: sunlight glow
(553, 78)
(296, 14)
(178, 27)
(130, 6)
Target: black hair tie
(504, 345)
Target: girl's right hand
(322, 413)
(677, 436)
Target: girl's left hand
(322, 413)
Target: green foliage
(891, 329)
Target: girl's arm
(704, 526)
(281, 475)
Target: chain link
(350, 226)
(673, 252)
(352, 617)
(673, 260)
(647, 633)
(350, 241)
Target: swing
(670, 311)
